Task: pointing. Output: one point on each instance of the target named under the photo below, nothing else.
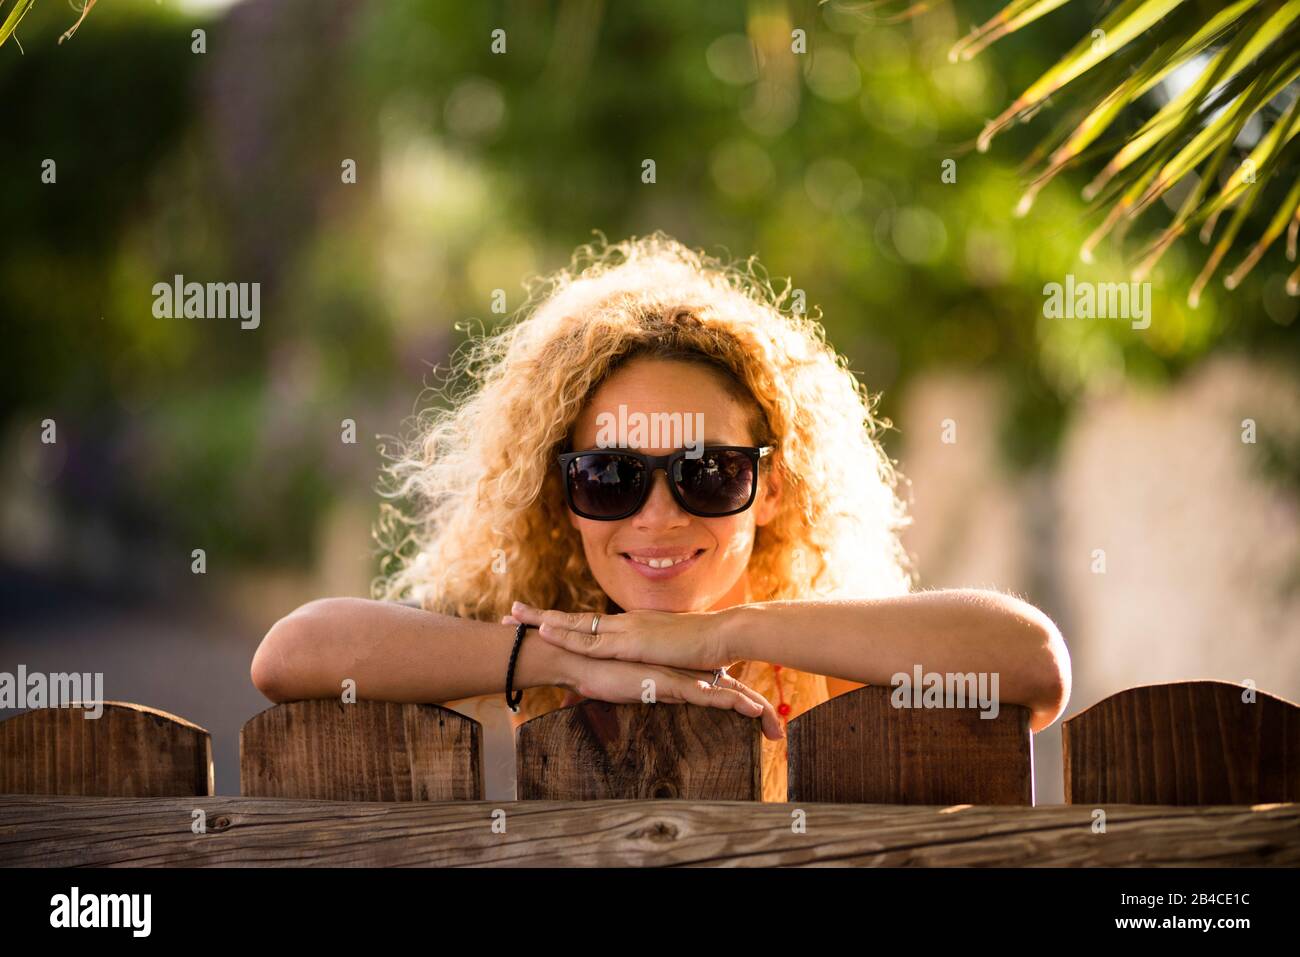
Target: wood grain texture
(595, 750)
(241, 832)
(366, 751)
(128, 751)
(857, 747)
(1185, 743)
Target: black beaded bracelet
(513, 704)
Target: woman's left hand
(674, 639)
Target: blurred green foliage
(476, 169)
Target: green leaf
(1180, 111)
(1128, 21)
(1168, 57)
(1225, 127)
(1288, 212)
(11, 22)
(1008, 20)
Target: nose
(660, 509)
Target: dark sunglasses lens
(717, 482)
(604, 484)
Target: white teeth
(659, 562)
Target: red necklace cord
(782, 709)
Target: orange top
(792, 692)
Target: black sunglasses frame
(653, 463)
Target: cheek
(595, 536)
(735, 537)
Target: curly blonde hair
(484, 518)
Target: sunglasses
(609, 484)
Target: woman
(767, 546)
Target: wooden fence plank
(104, 832)
(128, 751)
(366, 751)
(595, 750)
(857, 747)
(1188, 742)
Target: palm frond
(20, 10)
(16, 14)
(1244, 61)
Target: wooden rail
(107, 832)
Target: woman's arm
(869, 641)
(395, 653)
(398, 653)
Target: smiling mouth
(667, 561)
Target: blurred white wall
(1201, 548)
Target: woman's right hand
(622, 682)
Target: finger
(526, 613)
(699, 692)
(771, 722)
(772, 726)
(579, 621)
(563, 619)
(510, 620)
(582, 642)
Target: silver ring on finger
(717, 676)
(595, 620)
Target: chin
(640, 601)
(635, 596)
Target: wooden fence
(1189, 743)
(128, 751)
(374, 783)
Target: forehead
(650, 386)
